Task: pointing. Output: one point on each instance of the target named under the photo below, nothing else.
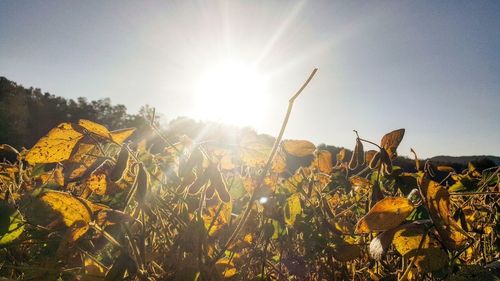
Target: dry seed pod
(358, 155)
(195, 158)
(386, 161)
(210, 193)
(375, 161)
(121, 165)
(200, 181)
(361, 153)
(353, 163)
(142, 183)
(217, 182)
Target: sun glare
(231, 92)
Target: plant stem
(266, 167)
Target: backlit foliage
(85, 203)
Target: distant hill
(464, 159)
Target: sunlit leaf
(292, 208)
(438, 203)
(299, 148)
(121, 135)
(385, 214)
(323, 161)
(360, 184)
(94, 128)
(214, 224)
(254, 150)
(429, 258)
(56, 146)
(73, 211)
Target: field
(86, 203)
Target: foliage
(86, 203)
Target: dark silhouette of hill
(26, 114)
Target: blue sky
(432, 67)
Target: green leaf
(292, 208)
(11, 223)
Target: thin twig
(266, 167)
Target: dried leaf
(391, 141)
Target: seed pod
(353, 163)
(386, 161)
(218, 184)
(375, 161)
(142, 183)
(361, 153)
(210, 193)
(200, 181)
(358, 155)
(121, 165)
(195, 158)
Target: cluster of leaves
(86, 204)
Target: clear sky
(432, 67)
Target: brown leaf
(391, 141)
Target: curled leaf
(437, 200)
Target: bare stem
(266, 167)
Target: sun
(231, 92)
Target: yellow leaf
(385, 214)
(225, 267)
(292, 208)
(446, 169)
(255, 149)
(299, 148)
(438, 203)
(391, 141)
(74, 211)
(54, 176)
(94, 128)
(279, 163)
(221, 220)
(360, 184)
(121, 135)
(56, 146)
(93, 271)
(97, 182)
(429, 258)
(11, 223)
